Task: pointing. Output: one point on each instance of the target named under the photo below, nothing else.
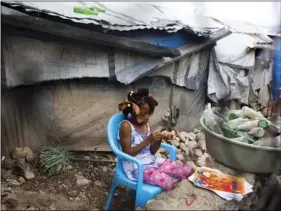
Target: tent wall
(29, 61)
(76, 111)
(72, 96)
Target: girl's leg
(176, 169)
(155, 176)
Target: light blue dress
(148, 160)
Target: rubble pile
(191, 146)
(17, 168)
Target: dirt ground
(61, 192)
(205, 200)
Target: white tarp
(235, 50)
(232, 71)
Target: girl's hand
(167, 135)
(154, 137)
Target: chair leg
(140, 200)
(110, 195)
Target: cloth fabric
(148, 160)
(167, 175)
(157, 171)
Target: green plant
(54, 159)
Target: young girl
(137, 140)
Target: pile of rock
(191, 147)
(16, 170)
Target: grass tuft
(54, 160)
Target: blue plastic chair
(143, 191)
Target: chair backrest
(112, 131)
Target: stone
(63, 185)
(28, 174)
(18, 153)
(175, 143)
(191, 153)
(167, 114)
(30, 156)
(31, 208)
(72, 193)
(202, 161)
(21, 180)
(195, 130)
(6, 174)
(198, 152)
(52, 207)
(180, 157)
(104, 169)
(186, 152)
(8, 163)
(191, 136)
(12, 182)
(6, 191)
(98, 183)
(80, 181)
(69, 167)
(21, 163)
(192, 144)
(200, 136)
(182, 136)
(202, 145)
(183, 147)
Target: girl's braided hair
(139, 97)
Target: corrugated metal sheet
(243, 27)
(21, 24)
(124, 16)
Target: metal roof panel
(125, 16)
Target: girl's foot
(191, 172)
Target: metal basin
(242, 156)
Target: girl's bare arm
(154, 146)
(125, 138)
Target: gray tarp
(233, 72)
(30, 61)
